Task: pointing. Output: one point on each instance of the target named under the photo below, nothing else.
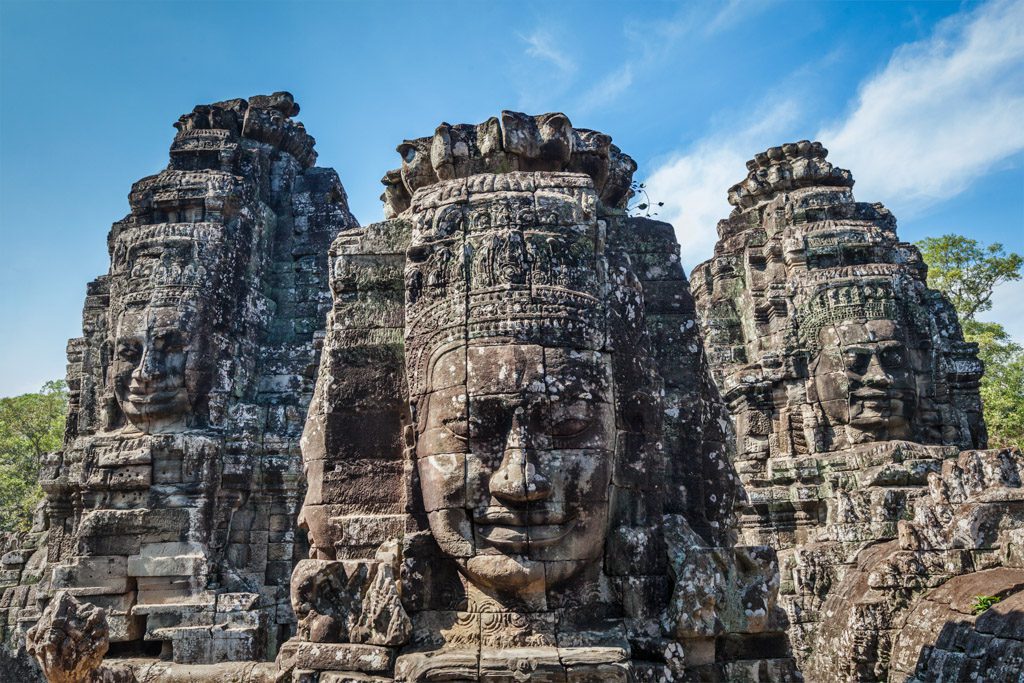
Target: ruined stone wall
(856, 409)
(173, 503)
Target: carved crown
(787, 167)
(515, 257)
(846, 300)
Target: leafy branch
(643, 207)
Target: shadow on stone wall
(989, 647)
(19, 666)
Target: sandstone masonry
(494, 437)
(857, 417)
(173, 504)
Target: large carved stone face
(515, 452)
(151, 370)
(864, 379)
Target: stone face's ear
(441, 153)
(556, 140)
(417, 171)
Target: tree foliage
(968, 273)
(1002, 387)
(31, 425)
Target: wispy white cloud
(693, 184)
(942, 112)
(651, 42)
(733, 12)
(542, 44)
(608, 88)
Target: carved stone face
(515, 451)
(151, 369)
(864, 379)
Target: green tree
(31, 425)
(1002, 387)
(968, 273)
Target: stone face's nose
(876, 375)
(517, 480)
(150, 366)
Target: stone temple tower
(515, 457)
(173, 503)
(855, 403)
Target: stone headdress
(518, 258)
(544, 256)
(852, 299)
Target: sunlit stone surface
(173, 505)
(856, 409)
(516, 461)
(486, 439)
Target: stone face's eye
(569, 427)
(568, 419)
(857, 360)
(458, 425)
(891, 359)
(168, 341)
(128, 351)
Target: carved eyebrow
(579, 393)
(167, 335)
(857, 349)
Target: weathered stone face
(864, 379)
(515, 440)
(173, 503)
(155, 378)
(525, 455)
(854, 396)
(508, 478)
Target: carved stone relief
(173, 504)
(853, 393)
(547, 495)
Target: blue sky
(924, 102)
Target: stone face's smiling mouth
(512, 531)
(153, 398)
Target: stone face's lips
(520, 518)
(549, 534)
(865, 394)
(154, 398)
(517, 538)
